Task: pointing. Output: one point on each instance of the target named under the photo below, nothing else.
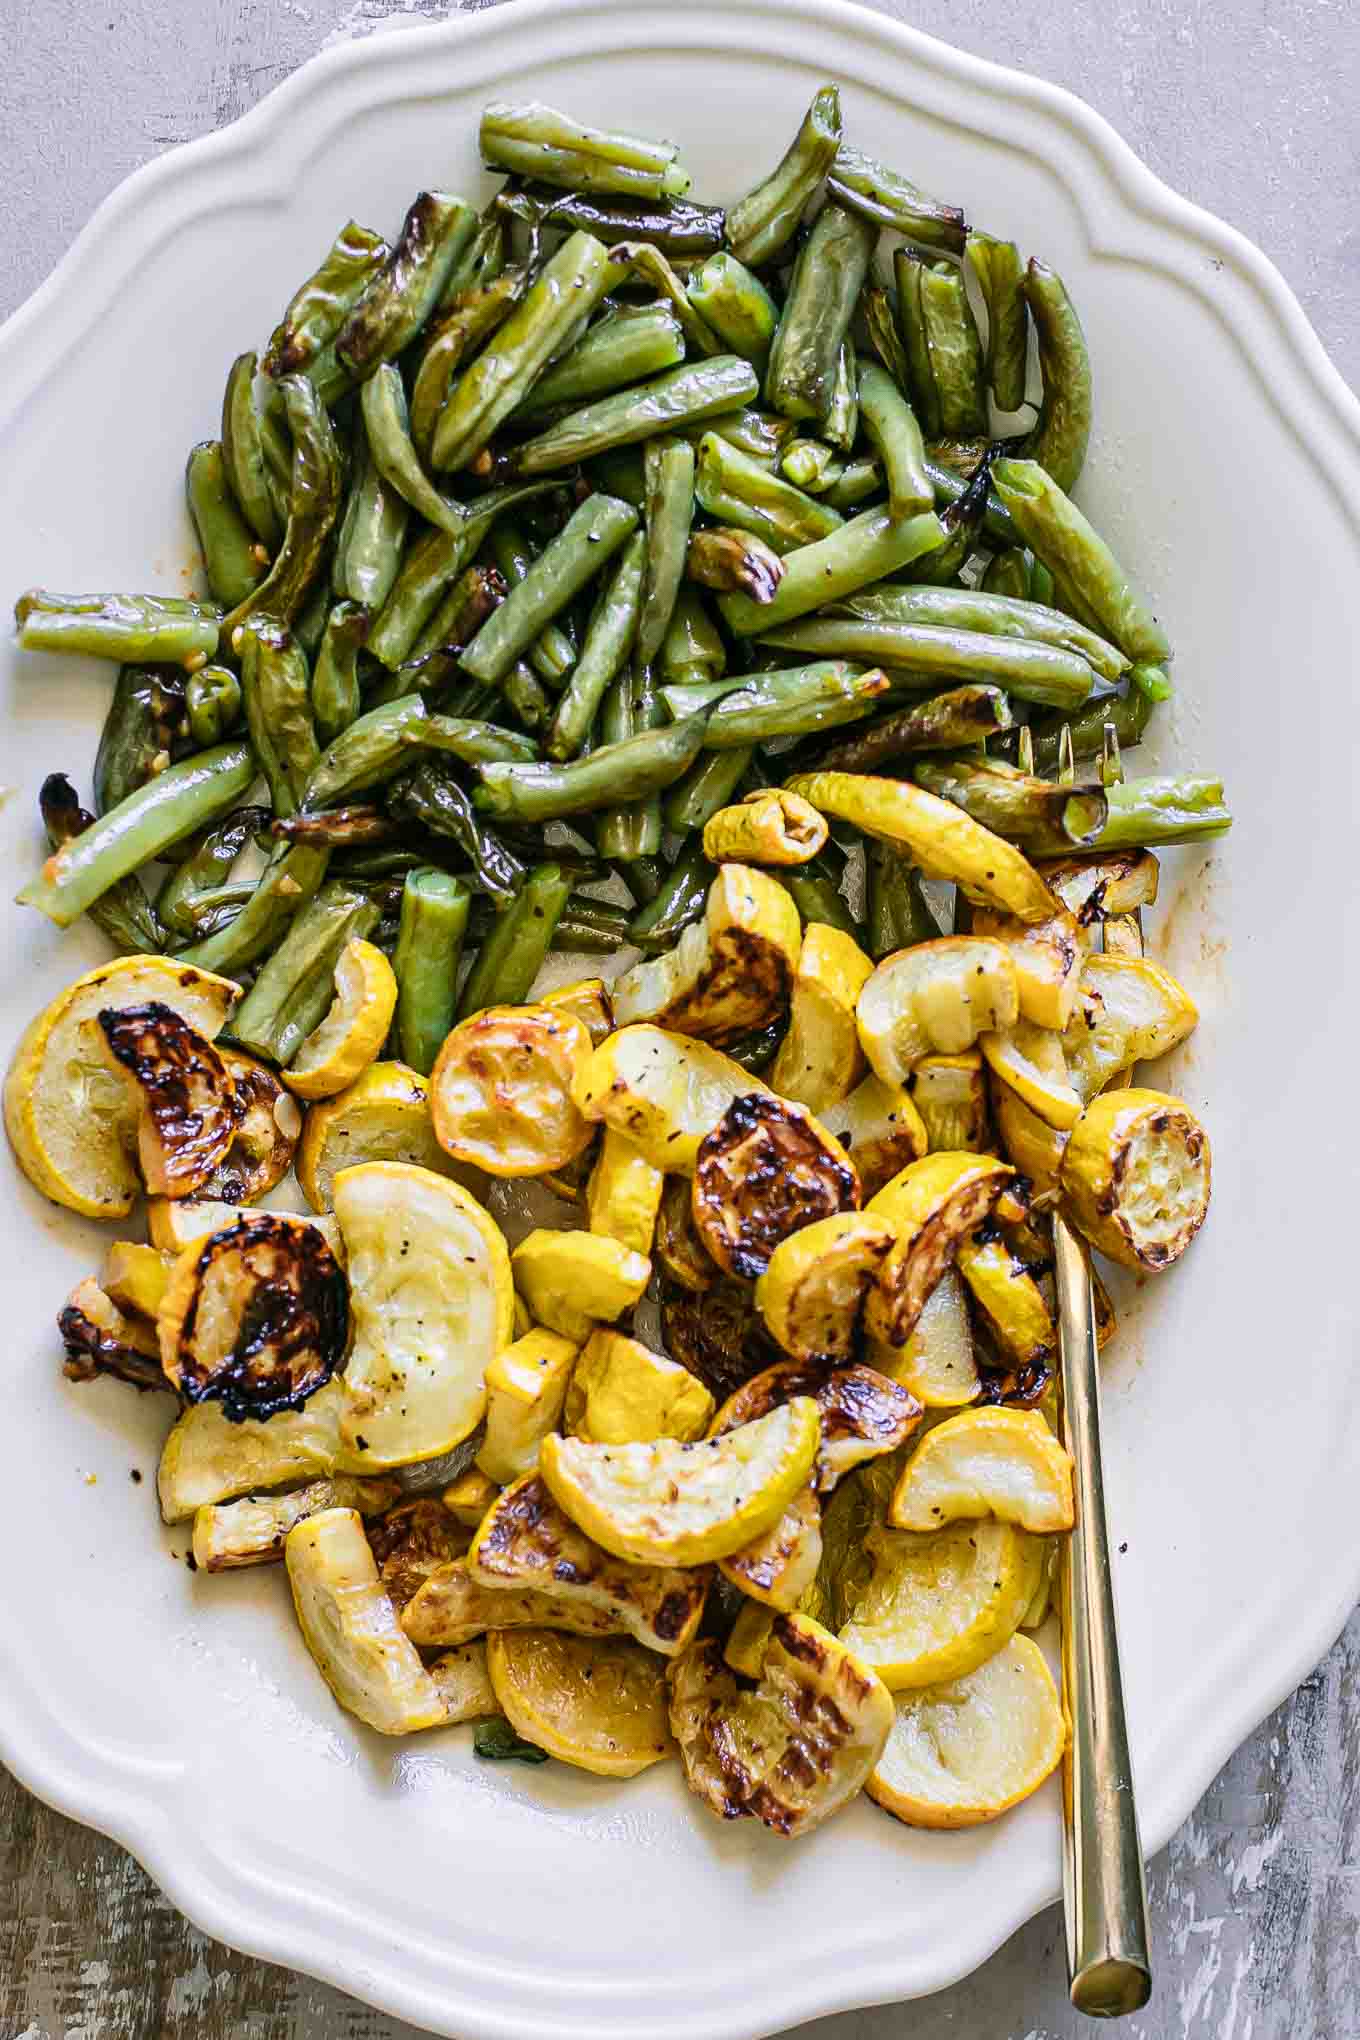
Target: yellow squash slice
(942, 840)
(1010, 1300)
(431, 1304)
(464, 1684)
(678, 1247)
(950, 1093)
(812, 1291)
(351, 1629)
(336, 1054)
(1035, 1147)
(1047, 956)
(135, 1277)
(573, 1281)
(500, 1090)
(767, 1169)
(99, 1338)
(174, 1223)
(863, 1414)
(663, 1090)
(452, 1608)
(1130, 1010)
(597, 1703)
(963, 1752)
(989, 1462)
(526, 1385)
(262, 1149)
(623, 1196)
(673, 1504)
(937, 1364)
(187, 1109)
(730, 973)
(931, 1206)
(797, 1748)
(72, 1119)
(622, 1393)
(779, 1566)
(1104, 887)
(770, 826)
(1136, 1177)
(934, 999)
(468, 1498)
(881, 1129)
(527, 1544)
(936, 1605)
(384, 1117)
(587, 1000)
(1029, 1060)
(820, 1060)
(254, 1531)
(412, 1542)
(207, 1458)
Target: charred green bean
(866, 549)
(1000, 273)
(434, 919)
(405, 290)
(587, 542)
(335, 679)
(827, 280)
(1058, 534)
(233, 559)
(890, 427)
(616, 774)
(146, 629)
(760, 224)
(512, 955)
(533, 140)
(699, 390)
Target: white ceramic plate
(182, 1715)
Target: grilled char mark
(184, 1085)
(761, 1174)
(291, 1324)
(91, 1352)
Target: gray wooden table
(1248, 106)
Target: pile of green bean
(536, 537)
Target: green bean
(177, 802)
(736, 561)
(811, 466)
(387, 428)
(207, 867)
(709, 784)
(431, 795)
(365, 866)
(866, 549)
(313, 506)
(430, 566)
(474, 742)
(474, 596)
(480, 263)
(1058, 534)
(680, 901)
(736, 306)
(824, 290)
(997, 267)
(611, 356)
(233, 558)
(1014, 804)
(243, 453)
(928, 652)
(588, 540)
(643, 876)
(271, 429)
(405, 290)
(124, 913)
(525, 697)
(955, 351)
(276, 691)
(681, 228)
(839, 423)
(693, 649)
(294, 990)
(997, 522)
(287, 882)
(994, 615)
(909, 271)
(146, 629)
(616, 774)
(335, 680)
(144, 724)
(878, 307)
(591, 926)
(369, 752)
(468, 320)
(633, 831)
(758, 434)
(319, 307)
(1145, 813)
(890, 427)
(818, 899)
(212, 702)
(652, 266)
(552, 653)
(864, 185)
(668, 465)
(945, 722)
(852, 487)
(309, 625)
(533, 140)
(341, 828)
(697, 391)
(738, 490)
(368, 550)
(1059, 439)
(1007, 574)
(1130, 713)
(434, 918)
(763, 222)
(512, 955)
(568, 288)
(794, 702)
(1151, 680)
(898, 914)
(604, 653)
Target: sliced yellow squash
(950, 1093)
(500, 1090)
(384, 1117)
(72, 1119)
(207, 1458)
(767, 1169)
(623, 1196)
(1107, 886)
(881, 1129)
(413, 1541)
(1010, 1299)
(937, 1364)
(730, 973)
(988, 1462)
(526, 1386)
(678, 1246)
(1047, 956)
(779, 1566)
(963, 1752)
(934, 999)
(468, 1498)
(1029, 1060)
(573, 1281)
(673, 1504)
(938, 1604)
(527, 1544)
(187, 1109)
(1136, 1177)
(820, 1060)
(338, 1051)
(587, 1000)
(597, 1703)
(769, 826)
(452, 1608)
(265, 1142)
(351, 1629)
(1035, 1147)
(135, 1277)
(174, 1223)
(463, 1683)
(622, 1393)
(663, 1090)
(254, 1531)
(863, 1414)
(1129, 1010)
(813, 1289)
(431, 1303)
(931, 1206)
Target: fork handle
(1104, 1893)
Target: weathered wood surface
(1246, 105)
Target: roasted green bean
(998, 269)
(929, 653)
(276, 691)
(735, 561)
(124, 913)
(1057, 533)
(680, 901)
(512, 955)
(738, 490)
(313, 507)
(212, 704)
(293, 991)
(432, 795)
(368, 752)
(679, 227)
(993, 615)
(760, 224)
(141, 629)
(710, 784)
(693, 648)
(1016, 805)
(319, 307)
(890, 427)
(552, 653)
(604, 653)
(368, 550)
(945, 722)
(827, 280)
(233, 559)
(587, 542)
(699, 390)
(243, 453)
(207, 867)
(866, 549)
(533, 140)
(469, 320)
(287, 882)
(387, 429)
(611, 356)
(616, 774)
(864, 185)
(668, 468)
(335, 680)
(1059, 440)
(434, 919)
(145, 725)
(955, 352)
(898, 913)
(405, 290)
(795, 702)
(736, 306)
